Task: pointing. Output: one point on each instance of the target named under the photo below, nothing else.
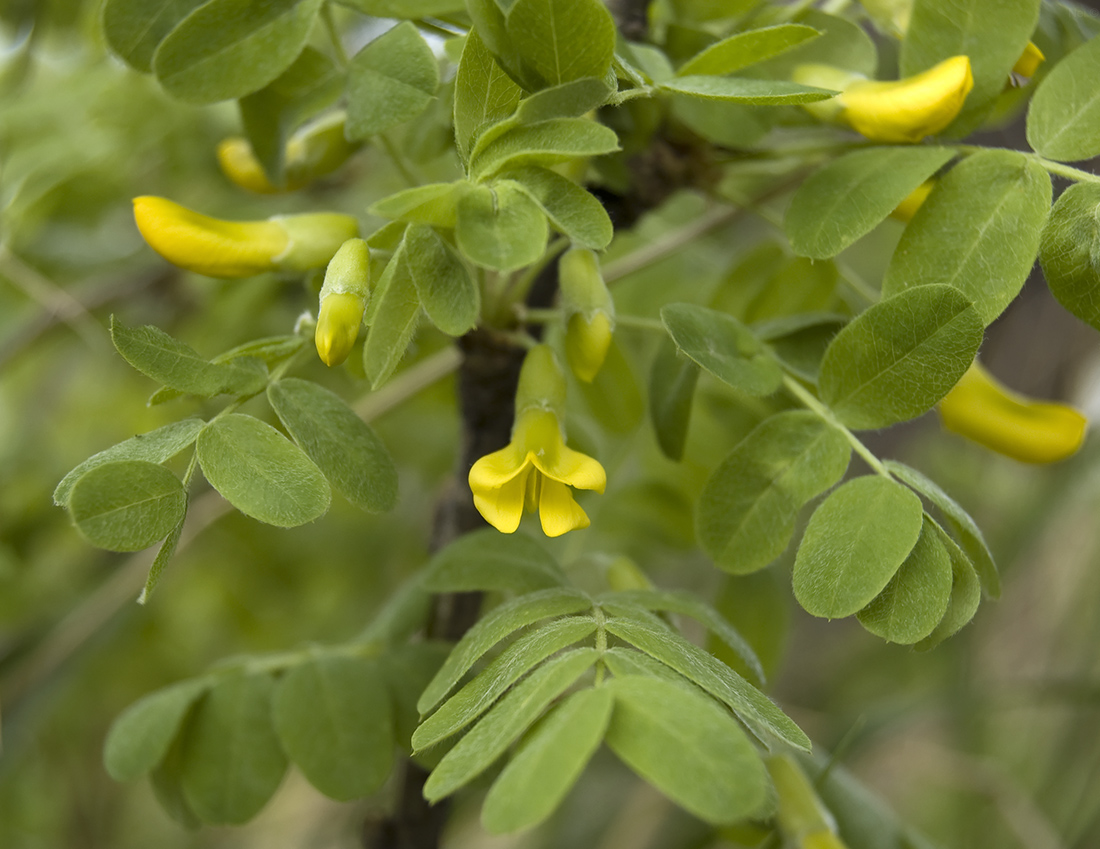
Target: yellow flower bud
(220, 248)
(910, 109)
(338, 326)
(1029, 61)
(586, 344)
(908, 207)
(589, 312)
(240, 165)
(980, 409)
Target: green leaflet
(333, 717)
(393, 315)
(743, 90)
(548, 763)
(500, 227)
(494, 627)
(484, 93)
(854, 544)
(898, 358)
(966, 595)
(490, 560)
(135, 28)
(127, 505)
(842, 44)
(344, 447)
(232, 762)
(572, 210)
(390, 81)
(157, 446)
(672, 382)
(724, 347)
(509, 666)
(260, 472)
(449, 295)
(746, 48)
(230, 48)
(568, 100)
(404, 8)
(992, 33)
(688, 747)
(507, 720)
(139, 738)
(844, 200)
(1063, 119)
(561, 40)
(546, 143)
(914, 602)
(613, 396)
(164, 554)
(1070, 251)
(433, 203)
(748, 507)
(978, 231)
(157, 355)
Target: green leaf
(157, 355)
(966, 595)
(433, 204)
(488, 20)
(232, 760)
(157, 446)
(489, 560)
(344, 447)
(168, 789)
(746, 48)
(622, 661)
(500, 227)
(613, 396)
(134, 28)
(390, 81)
(848, 197)
(484, 93)
(548, 143)
(843, 44)
(742, 90)
(411, 9)
(260, 472)
(139, 738)
(1070, 251)
(572, 211)
(230, 48)
(799, 287)
(754, 708)
(334, 720)
(899, 357)
(671, 390)
(748, 507)
(688, 747)
(568, 100)
(270, 115)
(548, 763)
(965, 528)
(127, 505)
(449, 295)
(854, 544)
(1063, 120)
(562, 40)
(724, 347)
(978, 231)
(915, 600)
(269, 349)
(164, 554)
(494, 627)
(686, 604)
(800, 341)
(508, 719)
(408, 669)
(393, 315)
(992, 33)
(509, 666)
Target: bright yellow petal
(910, 109)
(502, 506)
(496, 469)
(208, 245)
(980, 409)
(240, 165)
(1029, 61)
(573, 468)
(558, 512)
(338, 327)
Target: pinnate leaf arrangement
(535, 194)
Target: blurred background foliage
(990, 740)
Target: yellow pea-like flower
(240, 165)
(1029, 61)
(220, 248)
(983, 410)
(905, 210)
(908, 110)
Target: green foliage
(392, 79)
(746, 48)
(672, 381)
(1064, 116)
(1070, 251)
(499, 226)
(127, 505)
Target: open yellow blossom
(910, 109)
(981, 409)
(220, 248)
(534, 472)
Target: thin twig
(671, 243)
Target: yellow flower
(1029, 61)
(220, 248)
(586, 343)
(535, 471)
(980, 409)
(910, 109)
(338, 327)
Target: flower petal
(502, 506)
(498, 468)
(573, 468)
(558, 512)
